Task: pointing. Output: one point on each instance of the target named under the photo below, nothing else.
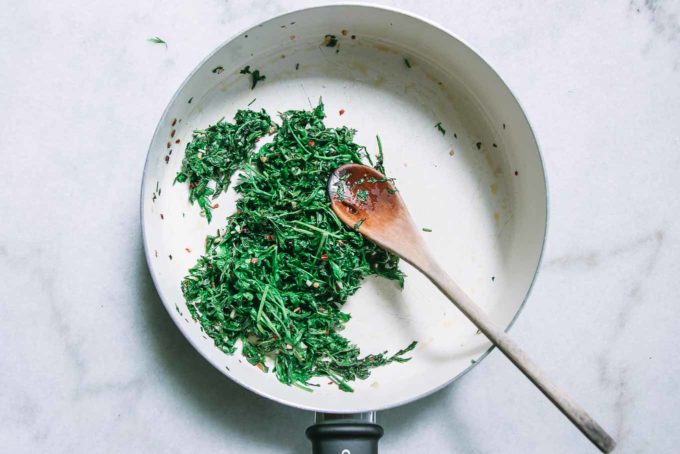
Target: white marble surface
(89, 360)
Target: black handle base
(344, 437)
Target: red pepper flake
(342, 111)
(162, 217)
(311, 142)
(322, 310)
(167, 159)
(172, 133)
(188, 249)
(516, 173)
(330, 382)
(297, 310)
(169, 144)
(268, 237)
(174, 122)
(275, 337)
(215, 206)
(253, 260)
(177, 141)
(324, 257)
(260, 366)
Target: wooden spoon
(368, 202)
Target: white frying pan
(487, 168)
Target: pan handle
(344, 433)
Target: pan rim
(148, 254)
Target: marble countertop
(90, 361)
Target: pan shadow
(402, 422)
(229, 408)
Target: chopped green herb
(274, 279)
(215, 153)
(359, 223)
(297, 66)
(380, 158)
(157, 40)
(440, 128)
(330, 40)
(362, 195)
(218, 70)
(256, 77)
(251, 102)
(408, 63)
(426, 229)
(479, 145)
(359, 181)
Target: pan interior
(479, 187)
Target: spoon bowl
(367, 201)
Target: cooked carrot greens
(255, 76)
(157, 40)
(276, 277)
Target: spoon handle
(577, 415)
